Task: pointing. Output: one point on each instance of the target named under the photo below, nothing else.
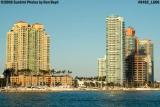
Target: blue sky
(77, 29)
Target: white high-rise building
(115, 50)
(102, 67)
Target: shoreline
(57, 89)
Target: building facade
(139, 59)
(102, 67)
(130, 52)
(115, 50)
(145, 47)
(130, 41)
(39, 80)
(140, 68)
(28, 47)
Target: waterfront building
(81, 83)
(143, 63)
(115, 50)
(130, 52)
(102, 67)
(130, 41)
(145, 47)
(41, 80)
(28, 47)
(140, 68)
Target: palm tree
(28, 71)
(63, 71)
(53, 71)
(58, 72)
(69, 72)
(7, 74)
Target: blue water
(81, 99)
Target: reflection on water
(81, 99)
(114, 93)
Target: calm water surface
(81, 99)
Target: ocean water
(81, 99)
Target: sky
(77, 30)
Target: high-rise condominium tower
(131, 45)
(130, 41)
(102, 67)
(28, 47)
(115, 50)
(145, 47)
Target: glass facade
(115, 50)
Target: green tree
(7, 74)
(63, 71)
(53, 71)
(69, 72)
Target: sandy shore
(37, 90)
(58, 89)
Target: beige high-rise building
(28, 47)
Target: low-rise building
(39, 80)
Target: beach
(60, 89)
